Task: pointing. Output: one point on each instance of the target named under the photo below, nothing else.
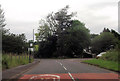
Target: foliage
(61, 36)
(43, 31)
(111, 65)
(112, 55)
(115, 34)
(10, 60)
(14, 43)
(73, 40)
(36, 47)
(60, 20)
(104, 42)
(47, 48)
(2, 19)
(92, 36)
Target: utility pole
(33, 44)
(33, 35)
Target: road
(68, 69)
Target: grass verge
(111, 65)
(10, 61)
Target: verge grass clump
(9, 60)
(111, 65)
(110, 60)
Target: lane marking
(71, 76)
(61, 64)
(68, 72)
(65, 68)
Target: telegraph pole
(33, 35)
(33, 45)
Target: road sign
(31, 49)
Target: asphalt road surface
(68, 69)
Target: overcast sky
(22, 16)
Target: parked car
(99, 55)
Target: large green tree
(63, 35)
(73, 40)
(60, 20)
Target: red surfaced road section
(76, 77)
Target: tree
(93, 36)
(2, 22)
(47, 48)
(63, 36)
(60, 20)
(14, 43)
(2, 19)
(117, 35)
(103, 42)
(44, 31)
(106, 30)
(54, 24)
(73, 40)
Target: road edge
(19, 70)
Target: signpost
(30, 50)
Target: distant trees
(105, 41)
(60, 35)
(73, 40)
(11, 43)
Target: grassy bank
(10, 60)
(112, 55)
(111, 65)
(110, 60)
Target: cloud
(102, 5)
(19, 27)
(96, 16)
(23, 15)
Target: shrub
(112, 55)
(9, 61)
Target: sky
(22, 16)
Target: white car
(99, 55)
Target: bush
(105, 41)
(112, 55)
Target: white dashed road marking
(66, 69)
(71, 76)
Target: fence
(13, 60)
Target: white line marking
(65, 68)
(61, 64)
(71, 76)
